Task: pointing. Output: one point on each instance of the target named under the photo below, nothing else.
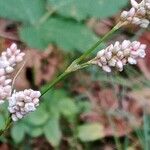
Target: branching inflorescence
(114, 57)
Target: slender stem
(117, 142)
(75, 65)
(54, 82)
(90, 50)
(52, 10)
(17, 74)
(145, 126)
(8, 124)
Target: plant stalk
(8, 124)
(90, 50)
(75, 65)
(54, 82)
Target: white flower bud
(2, 101)
(19, 115)
(131, 12)
(106, 68)
(100, 53)
(125, 44)
(2, 72)
(9, 69)
(136, 45)
(124, 14)
(134, 4)
(13, 46)
(141, 53)
(108, 55)
(119, 65)
(14, 117)
(29, 107)
(132, 61)
(136, 21)
(112, 62)
(120, 55)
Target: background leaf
(52, 131)
(67, 34)
(67, 107)
(22, 10)
(39, 117)
(90, 132)
(35, 131)
(18, 132)
(2, 122)
(81, 9)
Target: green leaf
(51, 99)
(34, 131)
(67, 34)
(68, 107)
(81, 9)
(84, 106)
(22, 10)
(39, 117)
(52, 131)
(90, 132)
(2, 122)
(18, 132)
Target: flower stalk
(75, 65)
(23, 102)
(7, 126)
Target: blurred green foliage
(61, 22)
(82, 9)
(69, 35)
(46, 120)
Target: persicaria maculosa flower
(139, 14)
(23, 102)
(20, 103)
(8, 60)
(118, 55)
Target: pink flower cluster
(23, 102)
(118, 55)
(139, 14)
(8, 60)
(20, 103)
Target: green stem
(8, 124)
(117, 142)
(90, 50)
(54, 82)
(146, 128)
(75, 64)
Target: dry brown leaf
(43, 65)
(105, 111)
(100, 27)
(8, 29)
(142, 97)
(144, 63)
